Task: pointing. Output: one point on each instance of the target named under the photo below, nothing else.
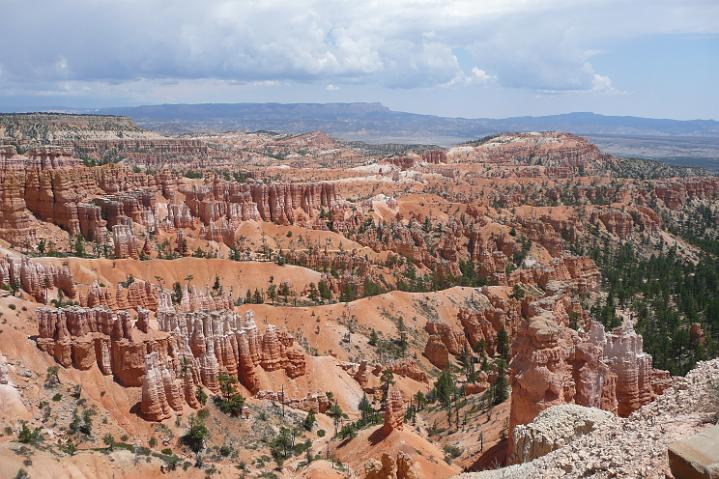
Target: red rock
(154, 405)
(555, 365)
(434, 156)
(124, 242)
(408, 368)
(34, 278)
(437, 352)
(81, 337)
(454, 341)
(394, 410)
(618, 223)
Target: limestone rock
(696, 457)
(436, 351)
(554, 428)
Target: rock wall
(279, 203)
(35, 279)
(112, 204)
(548, 149)
(190, 349)
(555, 365)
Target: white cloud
(601, 83)
(332, 87)
(539, 45)
(476, 76)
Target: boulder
(696, 457)
(554, 428)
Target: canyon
(296, 305)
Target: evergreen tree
(501, 387)
(503, 344)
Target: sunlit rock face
(555, 365)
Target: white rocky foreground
(634, 447)
(555, 428)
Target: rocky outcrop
(37, 280)
(16, 223)
(278, 203)
(136, 294)
(124, 241)
(116, 206)
(436, 351)
(617, 222)
(315, 401)
(442, 342)
(554, 428)
(45, 127)
(483, 325)
(220, 341)
(160, 391)
(674, 193)
(390, 468)
(37, 158)
(637, 382)
(696, 457)
(191, 349)
(84, 337)
(548, 149)
(434, 156)
(541, 368)
(627, 448)
(394, 410)
(554, 365)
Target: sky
(469, 58)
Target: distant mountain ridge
(679, 142)
(692, 143)
(373, 119)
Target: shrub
(29, 436)
(201, 395)
(197, 434)
(109, 441)
(309, 421)
(52, 380)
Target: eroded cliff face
(394, 410)
(189, 350)
(556, 365)
(38, 280)
(282, 204)
(388, 467)
(120, 210)
(564, 152)
(625, 448)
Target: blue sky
(472, 58)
